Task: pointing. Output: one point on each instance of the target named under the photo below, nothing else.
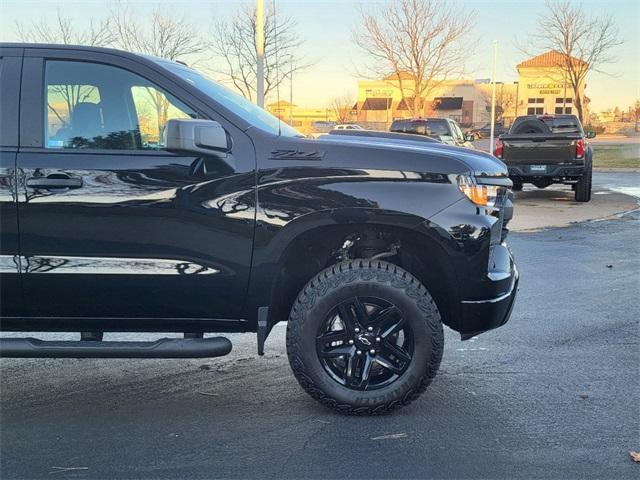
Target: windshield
(250, 113)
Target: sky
(327, 26)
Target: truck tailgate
(539, 149)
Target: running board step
(163, 348)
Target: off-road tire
(374, 278)
(583, 187)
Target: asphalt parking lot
(553, 394)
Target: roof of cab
(86, 48)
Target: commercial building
(544, 87)
(305, 120)
(382, 101)
(541, 89)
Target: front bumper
(488, 313)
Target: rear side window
(437, 128)
(91, 105)
(563, 124)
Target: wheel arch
(373, 233)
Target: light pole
(260, 52)
(493, 96)
(291, 94)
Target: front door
(111, 225)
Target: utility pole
(493, 96)
(564, 95)
(260, 52)
(291, 95)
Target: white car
(348, 126)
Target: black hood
(414, 150)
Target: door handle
(54, 181)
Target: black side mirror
(470, 137)
(196, 137)
(591, 134)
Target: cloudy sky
(327, 25)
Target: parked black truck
(137, 195)
(547, 149)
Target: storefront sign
(548, 88)
(379, 92)
(542, 86)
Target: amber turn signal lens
(483, 195)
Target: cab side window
(90, 105)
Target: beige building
(305, 120)
(540, 89)
(466, 101)
(544, 88)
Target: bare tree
(583, 42)
(164, 35)
(418, 43)
(234, 43)
(63, 31)
(342, 106)
(505, 101)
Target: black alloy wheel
(365, 343)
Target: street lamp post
(260, 52)
(493, 95)
(291, 95)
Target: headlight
(483, 195)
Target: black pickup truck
(137, 195)
(547, 149)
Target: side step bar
(163, 348)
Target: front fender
(292, 204)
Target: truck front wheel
(364, 337)
(583, 187)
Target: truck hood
(410, 152)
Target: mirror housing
(591, 134)
(470, 137)
(196, 137)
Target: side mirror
(196, 137)
(591, 134)
(470, 137)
